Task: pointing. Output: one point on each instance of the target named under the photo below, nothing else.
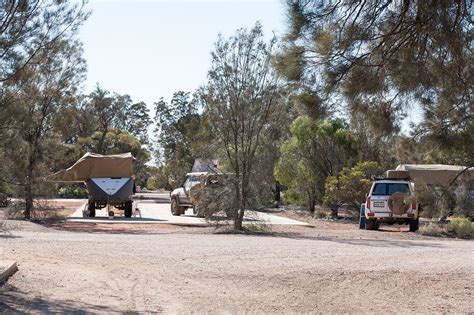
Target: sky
(150, 49)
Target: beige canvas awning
(93, 165)
(436, 174)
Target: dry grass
(432, 229)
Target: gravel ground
(327, 268)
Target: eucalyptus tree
(29, 26)
(35, 96)
(240, 100)
(380, 57)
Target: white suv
(180, 199)
(391, 201)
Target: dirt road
(315, 271)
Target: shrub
(73, 191)
(432, 229)
(351, 184)
(319, 214)
(461, 227)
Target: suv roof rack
(390, 178)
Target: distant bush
(351, 185)
(319, 214)
(461, 227)
(72, 192)
(444, 201)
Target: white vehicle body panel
(377, 203)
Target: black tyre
(414, 225)
(91, 208)
(128, 209)
(175, 210)
(370, 224)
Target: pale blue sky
(150, 49)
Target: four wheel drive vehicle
(390, 201)
(180, 197)
(109, 180)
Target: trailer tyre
(91, 208)
(414, 225)
(128, 209)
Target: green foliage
(373, 61)
(443, 201)
(461, 227)
(73, 191)
(317, 149)
(351, 184)
(178, 132)
(240, 99)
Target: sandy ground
(329, 267)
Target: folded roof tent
(437, 174)
(93, 165)
(109, 180)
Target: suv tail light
(413, 206)
(367, 203)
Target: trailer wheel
(128, 209)
(414, 225)
(91, 208)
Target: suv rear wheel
(370, 224)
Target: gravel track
(318, 271)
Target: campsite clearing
(330, 267)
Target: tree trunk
(29, 191)
(100, 145)
(311, 205)
(239, 220)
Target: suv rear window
(388, 189)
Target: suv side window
(191, 181)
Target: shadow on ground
(358, 242)
(13, 300)
(133, 229)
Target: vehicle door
(190, 182)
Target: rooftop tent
(436, 174)
(208, 166)
(93, 165)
